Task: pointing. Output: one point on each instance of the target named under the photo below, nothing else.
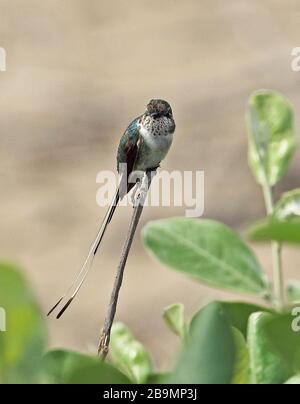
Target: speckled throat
(161, 126)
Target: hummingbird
(144, 144)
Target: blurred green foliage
(24, 341)
(272, 139)
(129, 355)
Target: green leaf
(284, 333)
(293, 291)
(271, 136)
(22, 344)
(265, 365)
(293, 380)
(66, 367)
(238, 314)
(207, 251)
(129, 355)
(207, 356)
(288, 206)
(283, 231)
(174, 319)
(241, 366)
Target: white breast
(154, 148)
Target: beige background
(77, 72)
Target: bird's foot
(140, 195)
(135, 195)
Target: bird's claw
(139, 196)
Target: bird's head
(159, 108)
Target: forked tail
(74, 288)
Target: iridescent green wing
(128, 151)
(128, 147)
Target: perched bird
(143, 146)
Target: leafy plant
(266, 347)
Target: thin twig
(105, 334)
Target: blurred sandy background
(77, 72)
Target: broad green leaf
(241, 366)
(293, 380)
(174, 318)
(284, 333)
(207, 251)
(283, 231)
(22, 344)
(271, 136)
(293, 291)
(265, 365)
(208, 354)
(66, 367)
(129, 355)
(238, 314)
(288, 207)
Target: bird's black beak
(154, 114)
